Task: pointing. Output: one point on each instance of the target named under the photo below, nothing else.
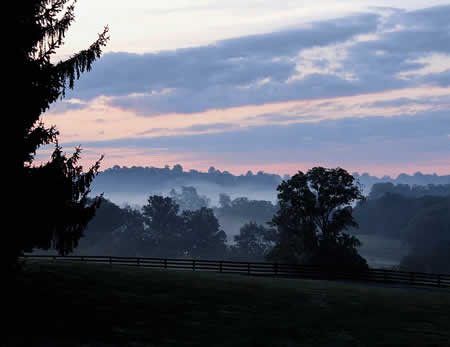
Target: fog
(211, 191)
(380, 232)
(382, 252)
(133, 186)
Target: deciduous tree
(202, 236)
(315, 209)
(165, 225)
(253, 242)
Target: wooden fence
(266, 269)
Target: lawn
(73, 304)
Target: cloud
(114, 123)
(407, 44)
(360, 53)
(441, 79)
(206, 127)
(215, 71)
(394, 140)
(426, 18)
(152, 131)
(67, 105)
(197, 128)
(429, 100)
(220, 96)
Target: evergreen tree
(52, 195)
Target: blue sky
(261, 85)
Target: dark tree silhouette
(428, 234)
(62, 190)
(202, 236)
(99, 232)
(253, 242)
(53, 195)
(165, 225)
(314, 210)
(131, 238)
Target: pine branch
(53, 34)
(71, 69)
(37, 137)
(48, 9)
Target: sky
(262, 85)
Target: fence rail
(265, 269)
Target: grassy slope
(102, 305)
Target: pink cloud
(83, 124)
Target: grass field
(70, 304)
(380, 251)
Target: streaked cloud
(395, 142)
(116, 123)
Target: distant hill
(379, 190)
(133, 185)
(418, 179)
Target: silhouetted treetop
(57, 189)
(314, 210)
(41, 30)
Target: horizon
(254, 173)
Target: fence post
(276, 269)
(248, 269)
(220, 266)
(439, 280)
(411, 279)
(165, 263)
(193, 264)
(385, 277)
(138, 260)
(110, 260)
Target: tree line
(418, 216)
(162, 229)
(135, 177)
(306, 226)
(422, 222)
(380, 189)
